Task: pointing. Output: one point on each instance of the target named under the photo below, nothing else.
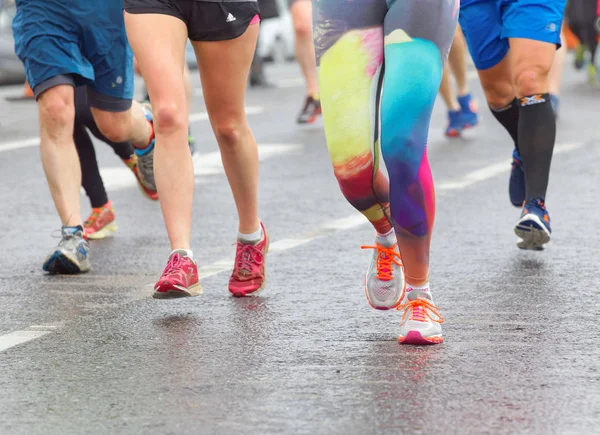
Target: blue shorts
(487, 25)
(81, 40)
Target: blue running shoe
(468, 110)
(533, 227)
(516, 185)
(455, 123)
(71, 255)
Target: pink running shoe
(179, 279)
(248, 277)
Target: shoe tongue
(71, 230)
(413, 294)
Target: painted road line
(15, 338)
(330, 228)
(35, 141)
(118, 178)
(491, 171)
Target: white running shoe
(421, 319)
(384, 280)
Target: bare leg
(305, 50)
(447, 92)
(558, 66)
(59, 155)
(158, 42)
(224, 68)
(458, 62)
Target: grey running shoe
(146, 157)
(71, 255)
(384, 281)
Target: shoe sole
(308, 121)
(415, 338)
(107, 231)
(179, 292)
(61, 264)
(532, 232)
(243, 294)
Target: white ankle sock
(183, 252)
(387, 239)
(251, 238)
(416, 291)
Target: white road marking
(15, 338)
(290, 83)
(35, 141)
(18, 144)
(118, 178)
(352, 221)
(203, 116)
(18, 337)
(494, 170)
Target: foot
(179, 279)
(455, 123)
(71, 256)
(592, 75)
(145, 159)
(248, 277)
(579, 56)
(310, 111)
(421, 319)
(516, 185)
(468, 110)
(101, 222)
(384, 280)
(132, 163)
(533, 226)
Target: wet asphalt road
(309, 356)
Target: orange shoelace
(421, 310)
(386, 258)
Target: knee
(530, 79)
(168, 118)
(115, 126)
(303, 29)
(229, 134)
(57, 109)
(498, 93)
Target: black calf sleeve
(537, 133)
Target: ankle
(251, 237)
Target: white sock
(418, 291)
(252, 238)
(387, 239)
(184, 253)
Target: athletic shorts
(487, 25)
(76, 43)
(205, 20)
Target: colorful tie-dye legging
(380, 67)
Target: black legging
(581, 17)
(90, 173)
